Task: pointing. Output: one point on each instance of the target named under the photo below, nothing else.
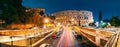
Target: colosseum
(74, 17)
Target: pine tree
(100, 16)
(114, 21)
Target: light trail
(65, 45)
(67, 39)
(61, 39)
(70, 41)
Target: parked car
(45, 45)
(74, 33)
(58, 34)
(54, 36)
(78, 37)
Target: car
(45, 45)
(78, 37)
(54, 36)
(74, 33)
(58, 34)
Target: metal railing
(112, 42)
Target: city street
(66, 39)
(63, 36)
(59, 23)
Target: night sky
(109, 8)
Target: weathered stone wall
(21, 26)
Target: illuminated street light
(46, 20)
(58, 24)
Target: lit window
(85, 17)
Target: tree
(41, 13)
(92, 24)
(100, 16)
(37, 19)
(114, 21)
(12, 11)
(106, 20)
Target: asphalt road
(67, 39)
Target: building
(38, 10)
(33, 18)
(37, 15)
(74, 17)
(51, 17)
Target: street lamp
(11, 41)
(46, 20)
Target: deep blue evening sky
(109, 8)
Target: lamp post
(11, 41)
(46, 20)
(30, 40)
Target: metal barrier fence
(112, 42)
